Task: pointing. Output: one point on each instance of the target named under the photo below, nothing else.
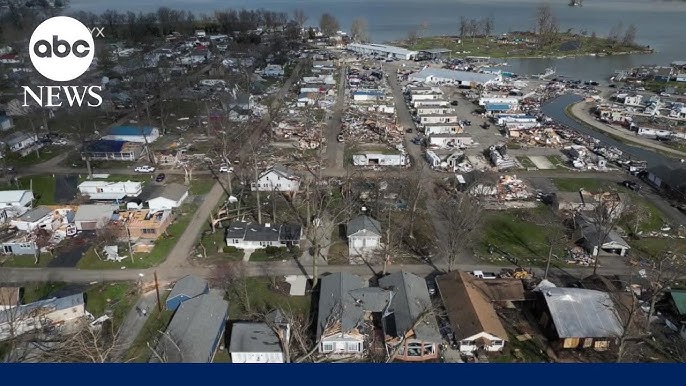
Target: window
(467, 343)
(588, 342)
(149, 231)
(602, 345)
(497, 343)
(327, 346)
(354, 347)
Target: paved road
(335, 151)
(133, 324)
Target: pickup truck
(484, 275)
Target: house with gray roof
(33, 219)
(255, 343)
(195, 330)
(364, 236)
(93, 217)
(579, 318)
(591, 235)
(346, 308)
(277, 179)
(188, 287)
(248, 235)
(409, 320)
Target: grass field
(522, 234)
(262, 298)
(37, 291)
(588, 184)
(117, 298)
(525, 162)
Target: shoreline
(573, 112)
(561, 55)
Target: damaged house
(349, 315)
(409, 322)
(578, 318)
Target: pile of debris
(499, 157)
(578, 256)
(511, 188)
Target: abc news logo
(62, 49)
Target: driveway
(66, 187)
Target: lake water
(661, 24)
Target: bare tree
(232, 278)
(488, 25)
(358, 30)
(412, 36)
(615, 33)
(603, 220)
(463, 27)
(88, 345)
(423, 28)
(629, 35)
(329, 25)
(299, 17)
(461, 217)
(666, 267)
(547, 25)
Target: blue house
(140, 134)
(188, 287)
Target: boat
(548, 73)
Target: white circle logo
(61, 48)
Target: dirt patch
(71, 250)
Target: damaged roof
(410, 301)
(468, 309)
(582, 313)
(335, 297)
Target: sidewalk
(133, 324)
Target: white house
(438, 118)
(451, 140)
(371, 159)
(429, 102)
(246, 235)
(106, 190)
(141, 134)
(273, 70)
(461, 78)
(681, 77)
(364, 236)
(368, 95)
(41, 314)
(433, 110)
(254, 343)
(40, 217)
(16, 198)
(277, 179)
(6, 123)
(93, 217)
(442, 128)
(434, 96)
(498, 100)
(165, 197)
(22, 143)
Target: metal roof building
(464, 78)
(187, 287)
(382, 50)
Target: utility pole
(157, 291)
(128, 238)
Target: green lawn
(37, 291)
(215, 247)
(281, 254)
(263, 297)
(589, 184)
(647, 247)
(25, 261)
(525, 162)
(163, 246)
(201, 186)
(556, 160)
(522, 234)
(115, 297)
(44, 154)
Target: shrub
(270, 250)
(230, 249)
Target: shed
(93, 217)
(15, 198)
(164, 197)
(254, 343)
(187, 287)
(140, 134)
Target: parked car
(226, 169)
(340, 138)
(454, 103)
(160, 177)
(408, 130)
(144, 169)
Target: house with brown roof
(475, 323)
